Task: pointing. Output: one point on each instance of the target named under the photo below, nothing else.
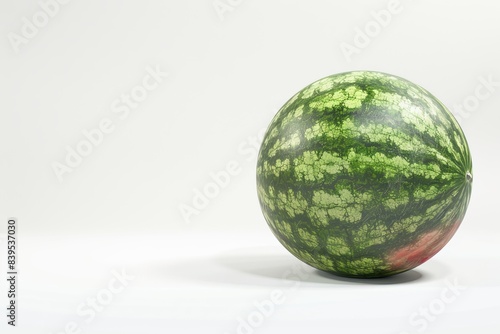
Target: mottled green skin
(364, 174)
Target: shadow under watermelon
(285, 268)
(261, 267)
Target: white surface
(119, 209)
(174, 288)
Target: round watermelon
(364, 174)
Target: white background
(229, 71)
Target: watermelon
(364, 174)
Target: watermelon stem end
(468, 177)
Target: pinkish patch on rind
(428, 245)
